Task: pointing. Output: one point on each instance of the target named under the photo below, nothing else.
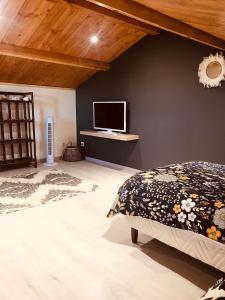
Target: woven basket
(72, 153)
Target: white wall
(56, 102)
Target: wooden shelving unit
(119, 136)
(17, 130)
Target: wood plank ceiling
(207, 15)
(58, 27)
(47, 42)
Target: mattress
(191, 243)
(188, 196)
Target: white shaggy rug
(25, 191)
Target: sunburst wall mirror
(211, 70)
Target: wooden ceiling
(47, 42)
(63, 28)
(207, 15)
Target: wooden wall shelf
(119, 136)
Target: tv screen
(109, 116)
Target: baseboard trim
(110, 165)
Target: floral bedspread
(190, 196)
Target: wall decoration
(211, 70)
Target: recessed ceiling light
(94, 39)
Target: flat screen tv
(110, 116)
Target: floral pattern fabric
(189, 196)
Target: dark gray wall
(176, 117)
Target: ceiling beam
(50, 57)
(146, 15)
(116, 15)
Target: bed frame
(194, 244)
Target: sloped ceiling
(47, 42)
(207, 15)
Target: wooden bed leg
(134, 235)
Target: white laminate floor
(69, 250)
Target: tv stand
(111, 135)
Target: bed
(182, 205)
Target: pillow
(217, 292)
